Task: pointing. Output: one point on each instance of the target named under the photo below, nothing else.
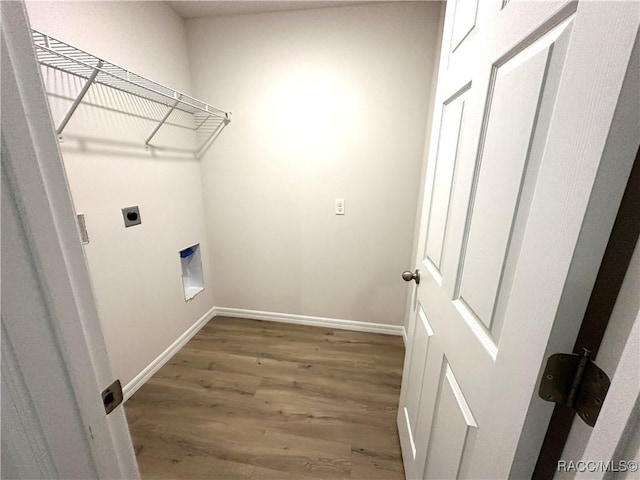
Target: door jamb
(613, 268)
(39, 187)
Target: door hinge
(82, 226)
(573, 380)
(112, 396)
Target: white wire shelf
(208, 120)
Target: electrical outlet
(131, 216)
(339, 206)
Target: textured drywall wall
(328, 103)
(136, 271)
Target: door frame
(612, 438)
(69, 327)
(611, 275)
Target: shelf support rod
(202, 123)
(79, 98)
(164, 119)
(205, 145)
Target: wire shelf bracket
(164, 119)
(208, 121)
(78, 99)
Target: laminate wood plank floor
(247, 399)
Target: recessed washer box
(191, 262)
(131, 216)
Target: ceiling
(197, 9)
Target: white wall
(136, 272)
(328, 103)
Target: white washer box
(192, 281)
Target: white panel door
(523, 106)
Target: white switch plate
(339, 206)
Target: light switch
(339, 206)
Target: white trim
(22, 433)
(610, 439)
(140, 379)
(405, 338)
(409, 432)
(49, 314)
(339, 323)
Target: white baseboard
(405, 339)
(314, 321)
(140, 379)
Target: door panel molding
(452, 423)
(451, 126)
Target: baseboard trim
(405, 339)
(140, 379)
(313, 321)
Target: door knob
(407, 276)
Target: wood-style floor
(246, 399)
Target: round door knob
(407, 276)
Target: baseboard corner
(140, 379)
